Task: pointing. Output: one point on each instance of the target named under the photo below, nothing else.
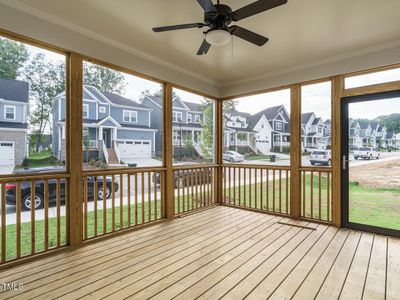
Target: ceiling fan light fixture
(218, 37)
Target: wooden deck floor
(220, 253)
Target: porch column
(100, 133)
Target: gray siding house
(14, 106)
(115, 129)
(186, 117)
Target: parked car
(52, 184)
(232, 156)
(189, 177)
(322, 157)
(367, 153)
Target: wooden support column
(219, 145)
(295, 150)
(337, 90)
(74, 148)
(168, 152)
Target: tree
(47, 80)
(13, 56)
(229, 105)
(207, 135)
(104, 79)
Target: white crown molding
(332, 59)
(44, 15)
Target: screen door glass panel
(374, 163)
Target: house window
(9, 112)
(130, 116)
(189, 118)
(278, 126)
(197, 119)
(85, 132)
(177, 117)
(102, 109)
(176, 137)
(85, 111)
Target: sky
(315, 98)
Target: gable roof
(316, 121)
(119, 100)
(193, 106)
(236, 113)
(363, 124)
(270, 113)
(14, 90)
(306, 117)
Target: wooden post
(295, 150)
(337, 91)
(169, 184)
(74, 147)
(219, 145)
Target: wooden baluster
(229, 195)
(121, 201)
(273, 190)
(177, 182)
(3, 222)
(105, 203)
(18, 211)
(187, 178)
(33, 225)
(287, 191)
(319, 195)
(149, 197)
(280, 191)
(328, 198)
(113, 202)
(196, 179)
(234, 186)
(267, 189)
(250, 200)
(129, 198)
(312, 195)
(255, 188)
(142, 180)
(85, 209)
(244, 187)
(261, 188)
(155, 197)
(95, 195)
(58, 200)
(192, 186)
(136, 199)
(304, 193)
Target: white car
(322, 157)
(232, 156)
(367, 153)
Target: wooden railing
(194, 187)
(27, 229)
(316, 194)
(118, 199)
(265, 188)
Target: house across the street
(115, 129)
(14, 107)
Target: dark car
(190, 177)
(52, 185)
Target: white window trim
(102, 109)
(197, 119)
(175, 116)
(85, 111)
(189, 118)
(131, 114)
(278, 126)
(14, 112)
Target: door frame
(344, 161)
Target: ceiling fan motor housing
(220, 19)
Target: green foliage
(229, 105)
(207, 135)
(13, 56)
(391, 122)
(47, 80)
(104, 79)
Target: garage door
(135, 149)
(6, 153)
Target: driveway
(144, 162)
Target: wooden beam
(371, 89)
(219, 145)
(337, 90)
(168, 152)
(295, 150)
(74, 147)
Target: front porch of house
(220, 253)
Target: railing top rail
(122, 171)
(28, 177)
(196, 166)
(316, 169)
(254, 166)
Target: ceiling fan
(218, 17)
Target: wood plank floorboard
(219, 253)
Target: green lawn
(41, 159)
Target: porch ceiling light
(218, 37)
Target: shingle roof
(270, 113)
(13, 125)
(316, 120)
(119, 100)
(389, 135)
(363, 124)
(193, 106)
(306, 117)
(14, 90)
(234, 112)
(156, 99)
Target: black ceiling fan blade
(256, 8)
(205, 46)
(207, 6)
(248, 35)
(177, 27)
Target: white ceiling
(301, 33)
